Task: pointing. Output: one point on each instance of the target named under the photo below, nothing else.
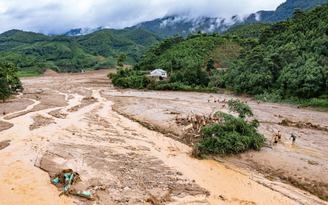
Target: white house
(159, 72)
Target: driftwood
(192, 124)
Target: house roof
(160, 70)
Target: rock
(179, 173)
(313, 162)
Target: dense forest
(252, 30)
(283, 60)
(33, 52)
(290, 59)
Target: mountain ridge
(183, 24)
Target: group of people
(279, 134)
(218, 100)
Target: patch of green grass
(26, 74)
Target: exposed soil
(300, 164)
(81, 122)
(5, 125)
(84, 102)
(4, 144)
(40, 121)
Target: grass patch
(320, 103)
(26, 74)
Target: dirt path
(119, 160)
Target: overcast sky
(59, 16)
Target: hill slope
(34, 52)
(291, 59)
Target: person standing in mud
(279, 134)
(275, 140)
(294, 138)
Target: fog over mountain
(56, 17)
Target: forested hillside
(189, 61)
(285, 60)
(252, 30)
(33, 52)
(290, 60)
(284, 11)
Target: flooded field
(128, 150)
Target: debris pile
(67, 178)
(299, 124)
(194, 123)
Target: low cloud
(52, 16)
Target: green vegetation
(129, 78)
(248, 30)
(5, 91)
(9, 81)
(33, 52)
(191, 63)
(242, 109)
(177, 53)
(234, 135)
(120, 60)
(282, 62)
(290, 60)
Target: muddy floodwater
(127, 148)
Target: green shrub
(235, 135)
(242, 109)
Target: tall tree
(210, 65)
(5, 90)
(9, 80)
(120, 60)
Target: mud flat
(70, 122)
(300, 164)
